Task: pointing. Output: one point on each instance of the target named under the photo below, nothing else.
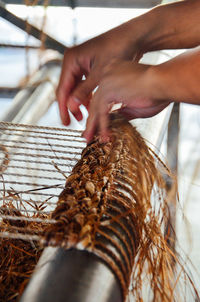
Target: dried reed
(106, 208)
(18, 257)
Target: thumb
(128, 113)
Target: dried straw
(106, 208)
(18, 257)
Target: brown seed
(93, 211)
(115, 156)
(87, 201)
(105, 180)
(102, 160)
(85, 241)
(86, 229)
(80, 194)
(72, 178)
(79, 218)
(107, 149)
(96, 198)
(89, 186)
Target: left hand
(129, 83)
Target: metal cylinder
(72, 276)
(32, 102)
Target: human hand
(130, 84)
(89, 60)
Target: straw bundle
(18, 257)
(106, 209)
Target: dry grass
(17, 257)
(106, 208)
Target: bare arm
(144, 90)
(179, 78)
(172, 26)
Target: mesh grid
(34, 164)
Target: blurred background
(68, 23)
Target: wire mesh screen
(105, 208)
(34, 164)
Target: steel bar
(17, 103)
(21, 46)
(172, 183)
(32, 30)
(97, 3)
(81, 277)
(8, 92)
(32, 102)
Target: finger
(71, 74)
(74, 105)
(81, 95)
(77, 112)
(62, 97)
(92, 121)
(82, 92)
(103, 123)
(128, 113)
(91, 127)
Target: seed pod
(115, 156)
(65, 219)
(102, 160)
(84, 242)
(79, 218)
(72, 178)
(93, 210)
(107, 149)
(80, 194)
(89, 186)
(96, 198)
(86, 229)
(105, 180)
(87, 201)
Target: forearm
(171, 26)
(178, 79)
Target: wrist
(142, 31)
(156, 86)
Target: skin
(110, 61)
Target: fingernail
(87, 136)
(104, 139)
(65, 121)
(84, 134)
(75, 99)
(79, 116)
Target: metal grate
(34, 162)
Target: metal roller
(72, 276)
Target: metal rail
(32, 30)
(97, 3)
(30, 104)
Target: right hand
(89, 59)
(137, 88)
